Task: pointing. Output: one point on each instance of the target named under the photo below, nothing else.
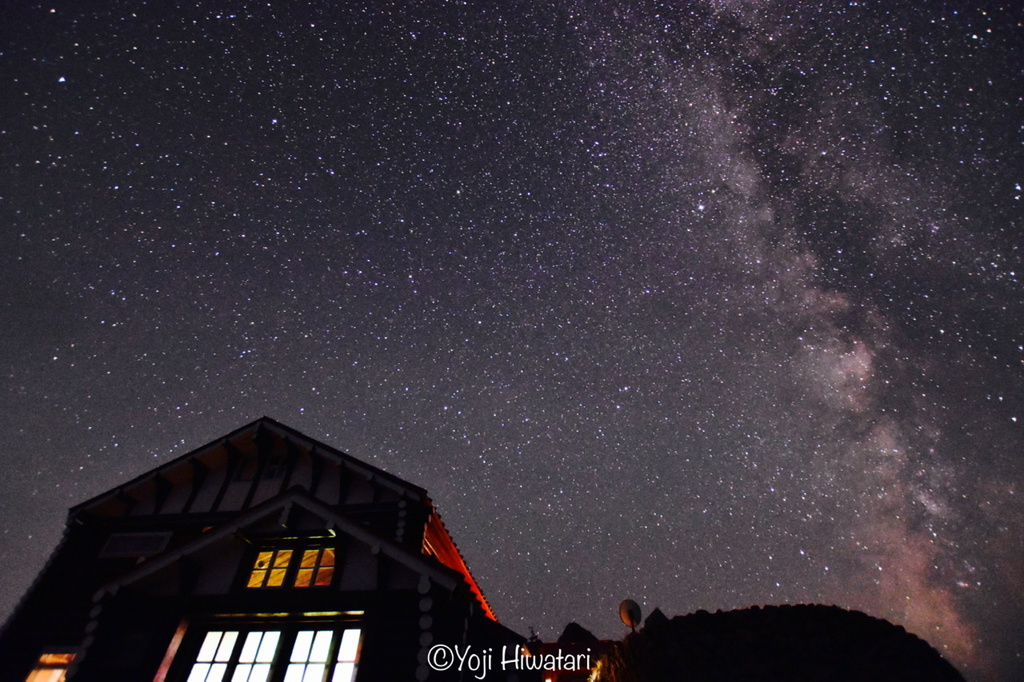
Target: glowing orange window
(316, 567)
(270, 568)
(51, 668)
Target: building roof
(195, 483)
(253, 430)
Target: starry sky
(705, 303)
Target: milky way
(706, 304)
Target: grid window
(221, 650)
(316, 567)
(309, 567)
(270, 568)
(317, 653)
(252, 656)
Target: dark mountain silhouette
(801, 643)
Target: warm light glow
(270, 568)
(51, 667)
(316, 567)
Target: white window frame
(275, 651)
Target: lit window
(316, 567)
(249, 658)
(348, 656)
(253, 656)
(274, 568)
(270, 568)
(51, 667)
(318, 653)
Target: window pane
(217, 672)
(241, 673)
(47, 675)
(263, 560)
(268, 647)
(294, 673)
(270, 568)
(276, 578)
(260, 673)
(199, 671)
(283, 557)
(300, 652)
(209, 647)
(252, 643)
(314, 672)
(245, 672)
(344, 672)
(328, 557)
(349, 649)
(309, 558)
(321, 646)
(304, 577)
(227, 644)
(324, 576)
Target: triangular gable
(440, 575)
(202, 481)
(189, 471)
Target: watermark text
(510, 657)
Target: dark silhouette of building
(573, 656)
(264, 556)
(798, 643)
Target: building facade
(263, 556)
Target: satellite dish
(629, 612)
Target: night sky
(704, 303)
